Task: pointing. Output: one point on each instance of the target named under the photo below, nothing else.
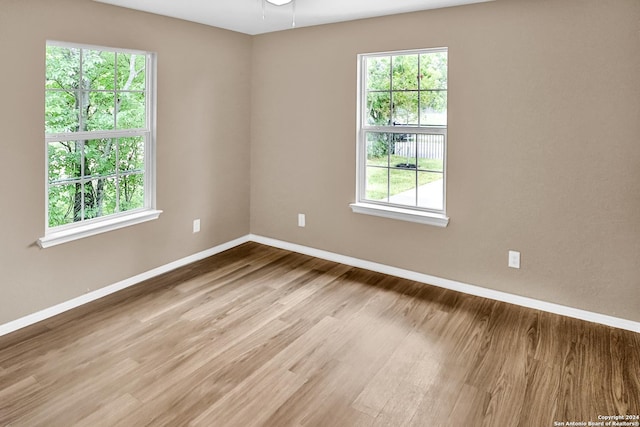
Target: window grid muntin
(115, 91)
(364, 90)
(365, 128)
(146, 133)
(84, 179)
(362, 191)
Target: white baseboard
(330, 256)
(102, 292)
(454, 285)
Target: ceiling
(246, 16)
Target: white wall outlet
(514, 259)
(196, 225)
(302, 221)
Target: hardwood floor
(262, 336)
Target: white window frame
(363, 205)
(89, 227)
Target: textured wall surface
(543, 154)
(202, 129)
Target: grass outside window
(385, 179)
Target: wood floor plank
(82, 396)
(259, 336)
(438, 402)
(254, 400)
(470, 407)
(541, 389)
(110, 413)
(393, 394)
(15, 399)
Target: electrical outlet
(302, 221)
(514, 259)
(196, 225)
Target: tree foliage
(88, 95)
(405, 90)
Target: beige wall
(203, 101)
(544, 147)
(543, 157)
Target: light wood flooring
(260, 336)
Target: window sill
(428, 218)
(86, 230)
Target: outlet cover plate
(514, 259)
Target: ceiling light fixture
(281, 3)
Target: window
(402, 135)
(99, 138)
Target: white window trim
(79, 230)
(86, 229)
(384, 209)
(393, 212)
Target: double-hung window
(402, 135)
(99, 140)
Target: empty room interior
(321, 213)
